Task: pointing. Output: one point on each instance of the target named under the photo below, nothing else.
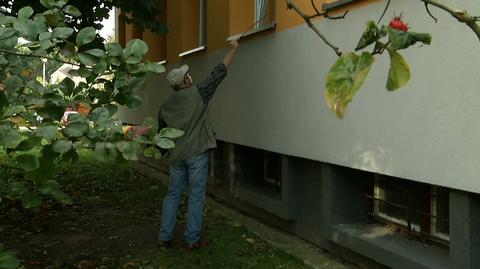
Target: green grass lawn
(113, 223)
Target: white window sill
(268, 26)
(183, 54)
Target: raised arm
(208, 87)
(232, 45)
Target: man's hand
(233, 44)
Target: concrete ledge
(386, 247)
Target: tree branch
(307, 19)
(461, 16)
(36, 56)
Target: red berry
(398, 24)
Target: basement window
(419, 209)
(258, 169)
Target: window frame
(427, 228)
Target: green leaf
(30, 200)
(25, 12)
(5, 20)
(101, 117)
(164, 143)
(129, 150)
(13, 84)
(45, 36)
(29, 144)
(85, 36)
(114, 49)
(69, 9)
(153, 124)
(47, 165)
(71, 156)
(154, 67)
(7, 32)
(51, 187)
(100, 67)
(171, 133)
(67, 86)
(136, 47)
(13, 111)
(371, 35)
(9, 43)
(8, 261)
(137, 84)
(51, 111)
(28, 162)
(16, 190)
(60, 3)
(47, 132)
(4, 102)
(105, 151)
(152, 152)
(133, 59)
(62, 32)
(27, 29)
(402, 40)
(399, 73)
(112, 109)
(68, 51)
(62, 146)
(96, 52)
(87, 59)
(49, 4)
(134, 101)
(345, 78)
(53, 19)
(10, 137)
(76, 129)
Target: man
(187, 110)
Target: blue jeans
(193, 171)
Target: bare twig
(461, 16)
(430, 13)
(291, 5)
(384, 11)
(326, 15)
(315, 7)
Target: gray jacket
(187, 110)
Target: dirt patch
(68, 237)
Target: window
(194, 22)
(250, 16)
(258, 169)
(419, 208)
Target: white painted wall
(273, 98)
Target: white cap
(177, 76)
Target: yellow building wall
(242, 16)
(218, 24)
(225, 18)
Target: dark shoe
(196, 245)
(165, 244)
